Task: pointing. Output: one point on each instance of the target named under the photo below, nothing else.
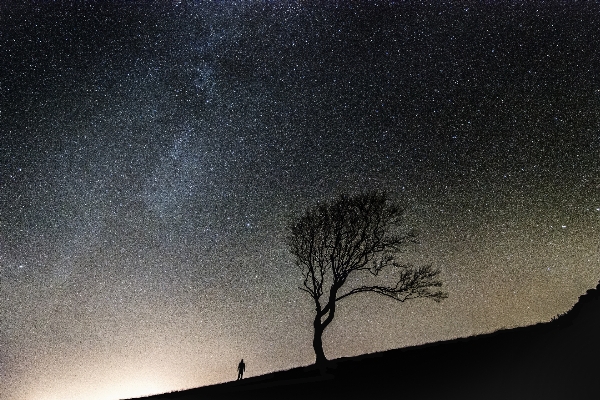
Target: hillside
(553, 360)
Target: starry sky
(151, 154)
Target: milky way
(151, 156)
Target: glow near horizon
(106, 384)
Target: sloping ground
(554, 360)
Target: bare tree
(352, 235)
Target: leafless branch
(412, 283)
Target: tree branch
(413, 283)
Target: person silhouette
(241, 369)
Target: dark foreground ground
(554, 360)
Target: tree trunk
(318, 342)
(321, 325)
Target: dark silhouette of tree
(332, 242)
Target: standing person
(241, 369)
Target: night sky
(151, 155)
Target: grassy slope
(555, 360)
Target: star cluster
(151, 154)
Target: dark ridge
(567, 318)
(551, 360)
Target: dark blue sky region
(151, 154)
